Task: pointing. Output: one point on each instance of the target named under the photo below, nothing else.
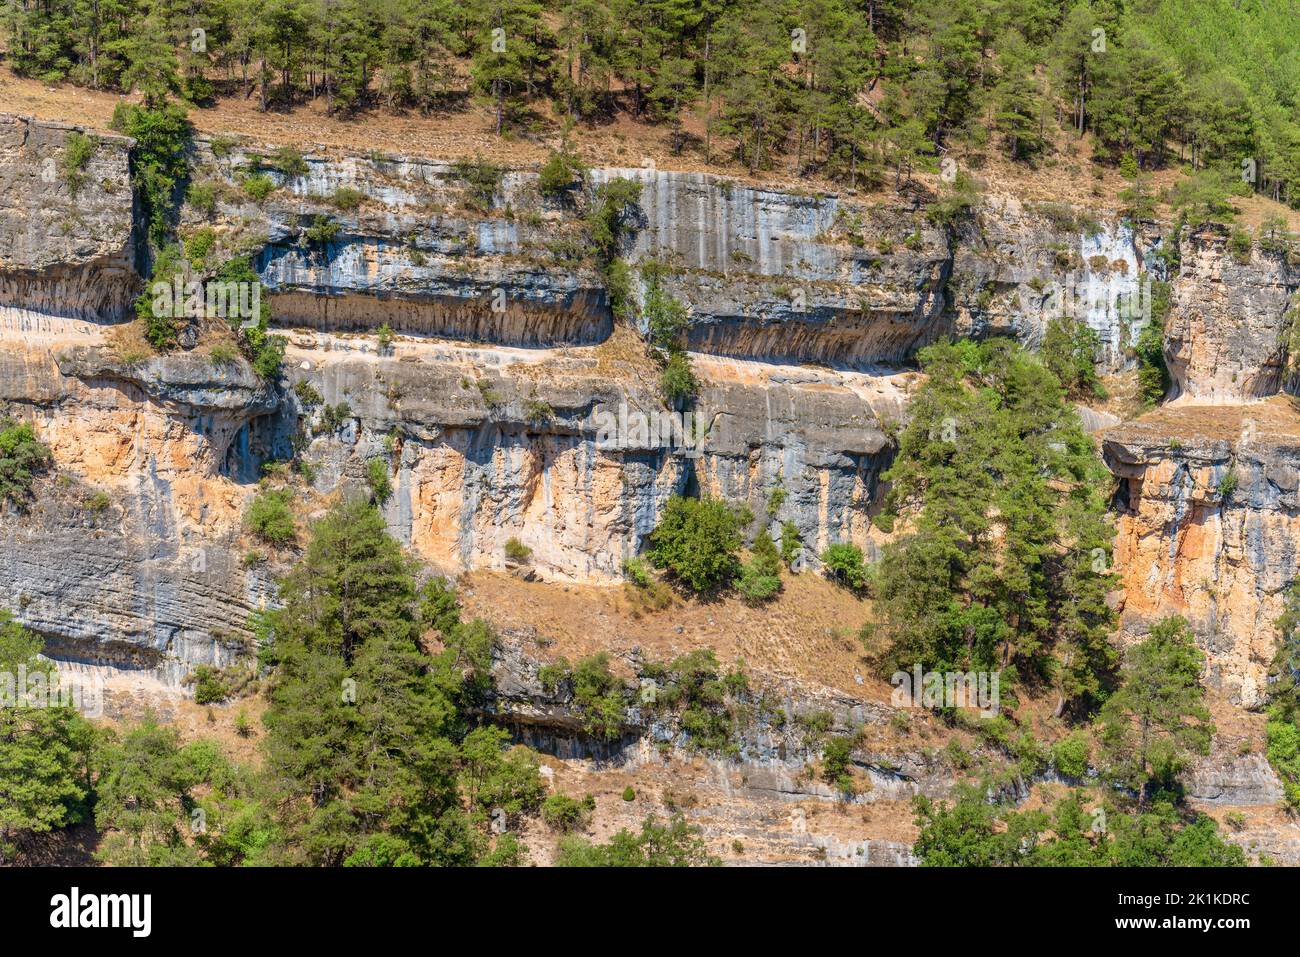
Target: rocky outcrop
(545, 449)
(1208, 516)
(1227, 335)
(1016, 266)
(130, 557)
(66, 234)
(1236, 781)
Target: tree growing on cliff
(22, 458)
(1158, 718)
(45, 745)
(697, 541)
(158, 161)
(1003, 564)
(270, 517)
(366, 743)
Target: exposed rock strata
(65, 249)
(1208, 519)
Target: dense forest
(846, 88)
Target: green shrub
(200, 245)
(78, 148)
(637, 573)
(22, 458)
(482, 178)
(600, 696)
(760, 577)
(346, 199)
(561, 171)
(692, 686)
(222, 354)
(619, 288)
(265, 351)
(161, 330)
(1228, 483)
(644, 591)
(554, 674)
(307, 393)
(844, 563)
(629, 793)
(322, 230)
(209, 688)
(202, 197)
(791, 542)
(667, 319)
(696, 542)
(270, 517)
(837, 761)
(258, 186)
(538, 411)
(1239, 245)
(605, 221)
(677, 380)
(334, 416)
(381, 486)
(517, 551)
(288, 160)
(1071, 755)
(222, 146)
(565, 814)
(1284, 755)
(675, 844)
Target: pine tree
(45, 745)
(997, 485)
(1158, 718)
(364, 727)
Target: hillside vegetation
(863, 91)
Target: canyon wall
(492, 404)
(506, 401)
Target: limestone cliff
(67, 246)
(490, 406)
(1229, 326)
(1207, 516)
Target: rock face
(1230, 321)
(507, 405)
(1017, 266)
(1244, 781)
(66, 238)
(130, 559)
(508, 402)
(1207, 516)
